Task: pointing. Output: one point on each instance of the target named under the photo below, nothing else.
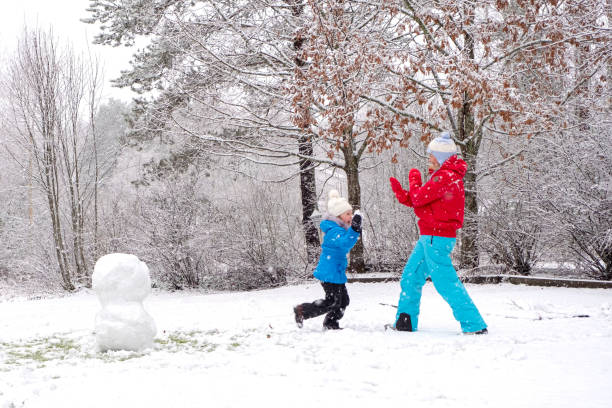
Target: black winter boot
(403, 323)
(298, 311)
(483, 331)
(330, 324)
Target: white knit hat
(442, 147)
(337, 205)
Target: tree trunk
(357, 259)
(469, 257)
(308, 187)
(92, 111)
(78, 218)
(609, 67)
(582, 109)
(54, 212)
(76, 230)
(308, 191)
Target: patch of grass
(179, 339)
(193, 340)
(26, 354)
(39, 350)
(237, 339)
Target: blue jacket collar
(329, 217)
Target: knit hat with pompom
(442, 147)
(337, 205)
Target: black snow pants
(335, 302)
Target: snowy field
(244, 350)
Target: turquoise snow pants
(431, 258)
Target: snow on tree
(212, 72)
(298, 82)
(491, 70)
(48, 90)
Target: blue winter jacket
(337, 242)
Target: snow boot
(330, 324)
(483, 331)
(298, 311)
(403, 323)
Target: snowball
(124, 326)
(121, 277)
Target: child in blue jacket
(342, 231)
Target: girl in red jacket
(439, 205)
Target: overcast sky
(63, 16)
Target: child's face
(433, 164)
(346, 216)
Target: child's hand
(401, 194)
(356, 222)
(414, 178)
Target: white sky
(64, 17)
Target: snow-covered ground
(244, 350)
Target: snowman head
(121, 278)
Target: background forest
(248, 112)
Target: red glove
(402, 195)
(414, 179)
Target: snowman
(122, 282)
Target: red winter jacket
(440, 203)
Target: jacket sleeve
(342, 239)
(430, 191)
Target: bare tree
(48, 89)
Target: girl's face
(433, 163)
(346, 216)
